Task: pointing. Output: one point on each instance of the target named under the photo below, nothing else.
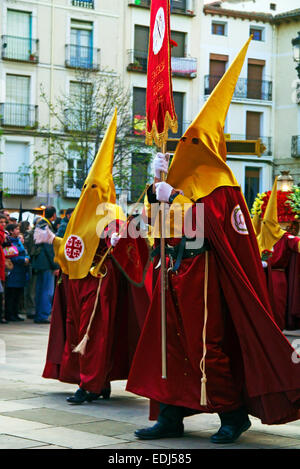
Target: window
(253, 125)
(255, 78)
(20, 44)
(178, 103)
(217, 68)
(16, 158)
(179, 38)
(218, 28)
(75, 177)
(178, 5)
(139, 174)
(257, 34)
(141, 41)
(139, 111)
(79, 115)
(81, 49)
(273, 6)
(17, 109)
(252, 184)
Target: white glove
(43, 236)
(115, 237)
(264, 264)
(161, 164)
(163, 191)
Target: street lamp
(285, 181)
(296, 52)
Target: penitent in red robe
(248, 358)
(283, 281)
(116, 326)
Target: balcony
(82, 57)
(72, 187)
(245, 89)
(82, 119)
(185, 67)
(18, 183)
(266, 141)
(295, 146)
(18, 115)
(20, 49)
(83, 3)
(179, 7)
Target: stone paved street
(34, 413)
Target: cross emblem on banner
(74, 248)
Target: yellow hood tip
(95, 209)
(270, 230)
(199, 163)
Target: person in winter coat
(3, 221)
(45, 269)
(64, 222)
(17, 277)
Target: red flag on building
(160, 110)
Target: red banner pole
(163, 275)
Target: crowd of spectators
(28, 272)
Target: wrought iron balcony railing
(266, 141)
(181, 66)
(184, 67)
(185, 7)
(82, 57)
(83, 3)
(22, 49)
(18, 183)
(245, 88)
(72, 186)
(140, 3)
(18, 115)
(295, 146)
(82, 119)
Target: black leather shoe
(79, 397)
(229, 433)
(105, 393)
(160, 430)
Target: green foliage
(294, 200)
(78, 123)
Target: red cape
(128, 303)
(260, 354)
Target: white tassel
(81, 347)
(203, 400)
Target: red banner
(160, 109)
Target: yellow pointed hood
(256, 222)
(199, 163)
(270, 231)
(94, 210)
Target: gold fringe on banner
(161, 138)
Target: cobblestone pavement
(34, 413)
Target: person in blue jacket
(17, 277)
